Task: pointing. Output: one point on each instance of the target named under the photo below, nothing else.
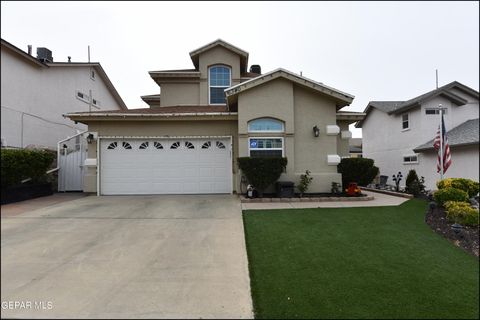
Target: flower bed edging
(390, 193)
(243, 199)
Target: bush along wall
(262, 172)
(20, 164)
(359, 170)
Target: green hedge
(467, 185)
(450, 194)
(359, 170)
(20, 164)
(262, 172)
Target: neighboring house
(36, 92)
(206, 117)
(355, 145)
(398, 134)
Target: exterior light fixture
(90, 138)
(316, 131)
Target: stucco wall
(180, 93)
(386, 142)
(160, 129)
(33, 100)
(300, 109)
(343, 146)
(464, 165)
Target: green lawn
(378, 262)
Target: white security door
(160, 166)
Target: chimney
(255, 68)
(29, 49)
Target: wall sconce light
(90, 138)
(316, 131)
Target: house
(355, 147)
(36, 92)
(398, 135)
(206, 117)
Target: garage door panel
(145, 169)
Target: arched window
(266, 125)
(219, 79)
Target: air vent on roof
(44, 55)
(255, 68)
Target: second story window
(431, 111)
(405, 122)
(218, 80)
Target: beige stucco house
(204, 118)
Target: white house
(398, 134)
(36, 92)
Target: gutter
(193, 114)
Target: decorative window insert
(189, 145)
(112, 145)
(220, 145)
(92, 74)
(144, 145)
(175, 145)
(207, 145)
(219, 79)
(405, 122)
(410, 159)
(157, 145)
(431, 111)
(266, 125)
(265, 147)
(126, 145)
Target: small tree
(305, 181)
(413, 184)
(262, 172)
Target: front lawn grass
(378, 262)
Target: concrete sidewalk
(379, 200)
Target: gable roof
(463, 134)
(396, 107)
(22, 54)
(219, 42)
(341, 97)
(95, 65)
(100, 72)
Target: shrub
(414, 185)
(359, 170)
(450, 194)
(305, 181)
(467, 185)
(262, 172)
(20, 164)
(462, 213)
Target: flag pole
(441, 141)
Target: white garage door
(160, 166)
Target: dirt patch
(467, 238)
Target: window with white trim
(405, 122)
(265, 147)
(432, 111)
(265, 125)
(219, 79)
(410, 159)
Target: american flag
(447, 158)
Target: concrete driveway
(126, 257)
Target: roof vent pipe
(69, 59)
(29, 49)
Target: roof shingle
(463, 134)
